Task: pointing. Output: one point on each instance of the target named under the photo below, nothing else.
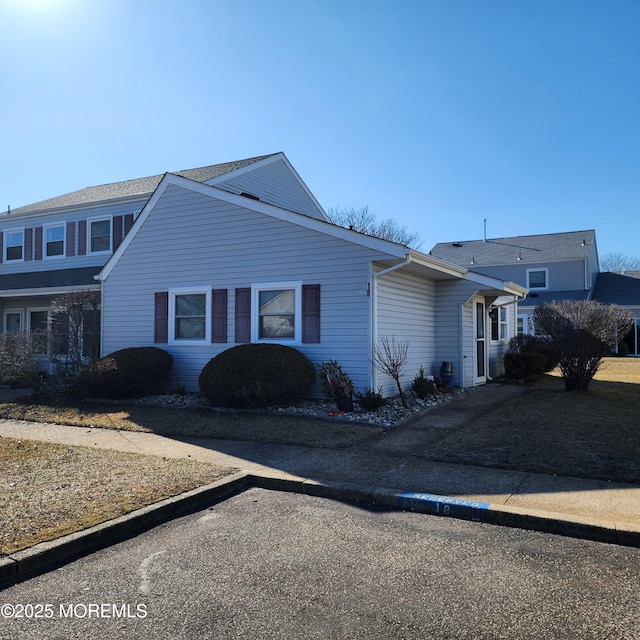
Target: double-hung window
(54, 236)
(99, 232)
(537, 278)
(499, 323)
(189, 315)
(14, 244)
(277, 312)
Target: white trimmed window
(189, 315)
(537, 278)
(14, 245)
(99, 235)
(499, 324)
(54, 238)
(276, 312)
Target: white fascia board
(390, 249)
(261, 163)
(438, 264)
(49, 291)
(487, 281)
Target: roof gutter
(404, 263)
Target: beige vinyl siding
(190, 239)
(275, 184)
(405, 310)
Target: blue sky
(435, 113)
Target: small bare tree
(390, 357)
(75, 327)
(581, 333)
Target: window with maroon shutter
(128, 223)
(243, 315)
(71, 239)
(310, 313)
(82, 238)
(161, 319)
(219, 315)
(39, 235)
(117, 231)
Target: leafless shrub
(390, 357)
(581, 333)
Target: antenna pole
(484, 236)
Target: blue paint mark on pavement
(443, 505)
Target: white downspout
(374, 313)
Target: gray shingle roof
(49, 279)
(537, 298)
(616, 288)
(497, 251)
(137, 187)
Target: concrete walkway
(389, 471)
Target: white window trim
(54, 225)
(501, 323)
(255, 311)
(6, 244)
(172, 316)
(90, 222)
(546, 279)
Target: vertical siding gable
(275, 184)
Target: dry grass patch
(547, 430)
(50, 490)
(190, 422)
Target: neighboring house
(554, 266)
(198, 261)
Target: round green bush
(128, 373)
(256, 375)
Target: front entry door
(480, 340)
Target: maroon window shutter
(128, 223)
(310, 313)
(117, 231)
(243, 315)
(71, 239)
(161, 319)
(38, 243)
(28, 244)
(82, 238)
(1, 247)
(219, 315)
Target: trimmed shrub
(128, 373)
(521, 366)
(256, 375)
(371, 400)
(421, 386)
(533, 344)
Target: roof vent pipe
(484, 235)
